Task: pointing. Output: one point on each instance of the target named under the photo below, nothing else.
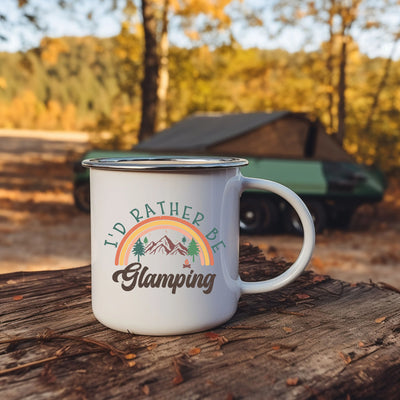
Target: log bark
(316, 338)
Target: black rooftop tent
(281, 134)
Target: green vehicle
(289, 148)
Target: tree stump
(318, 338)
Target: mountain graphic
(165, 246)
(179, 249)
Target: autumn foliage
(90, 83)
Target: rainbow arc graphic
(164, 222)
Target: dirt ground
(40, 228)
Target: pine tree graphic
(193, 249)
(138, 249)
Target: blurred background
(109, 74)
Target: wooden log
(318, 338)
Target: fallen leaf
(361, 344)
(152, 346)
(302, 296)
(221, 341)
(18, 297)
(380, 320)
(178, 379)
(146, 389)
(130, 356)
(277, 347)
(319, 278)
(292, 381)
(194, 351)
(212, 335)
(345, 357)
(218, 353)
(219, 338)
(287, 329)
(131, 363)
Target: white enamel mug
(165, 242)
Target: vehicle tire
(342, 219)
(257, 215)
(291, 220)
(82, 196)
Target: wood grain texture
(318, 338)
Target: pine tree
(193, 249)
(138, 249)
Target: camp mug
(165, 242)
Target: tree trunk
(348, 15)
(342, 92)
(329, 68)
(381, 86)
(150, 79)
(163, 82)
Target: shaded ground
(40, 228)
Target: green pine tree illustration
(184, 239)
(145, 240)
(138, 249)
(193, 249)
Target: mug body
(165, 238)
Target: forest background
(99, 84)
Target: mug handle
(308, 242)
